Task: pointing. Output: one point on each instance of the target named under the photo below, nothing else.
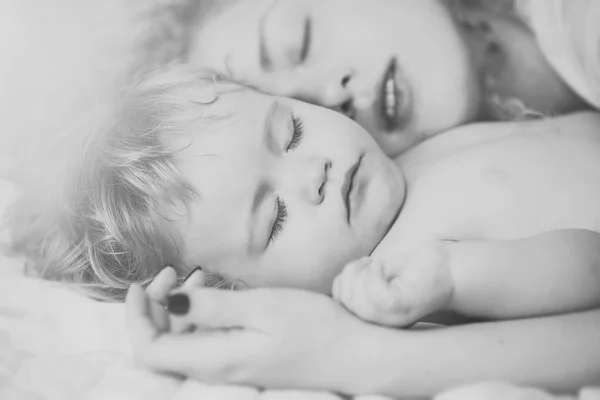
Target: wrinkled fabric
(568, 32)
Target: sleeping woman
(407, 69)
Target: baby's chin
(393, 194)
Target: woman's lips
(393, 107)
(349, 188)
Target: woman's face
(400, 68)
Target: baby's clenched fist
(396, 292)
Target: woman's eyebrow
(265, 60)
(306, 39)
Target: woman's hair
(172, 25)
(116, 216)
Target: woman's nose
(315, 178)
(331, 90)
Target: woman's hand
(277, 338)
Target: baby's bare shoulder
(490, 137)
(516, 180)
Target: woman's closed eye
(297, 134)
(293, 47)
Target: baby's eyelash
(279, 220)
(298, 133)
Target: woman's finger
(162, 284)
(195, 279)
(210, 355)
(140, 326)
(157, 291)
(214, 308)
(222, 322)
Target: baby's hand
(397, 292)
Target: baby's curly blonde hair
(116, 215)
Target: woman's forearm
(560, 353)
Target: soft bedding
(57, 344)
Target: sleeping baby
(262, 191)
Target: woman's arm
(551, 273)
(558, 353)
(278, 338)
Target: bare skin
(510, 211)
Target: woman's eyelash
(298, 133)
(279, 220)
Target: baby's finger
(377, 289)
(336, 288)
(362, 305)
(350, 288)
(343, 286)
(350, 277)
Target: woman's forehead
(213, 8)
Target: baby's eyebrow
(259, 195)
(262, 190)
(268, 134)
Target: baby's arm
(554, 272)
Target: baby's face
(400, 68)
(288, 192)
